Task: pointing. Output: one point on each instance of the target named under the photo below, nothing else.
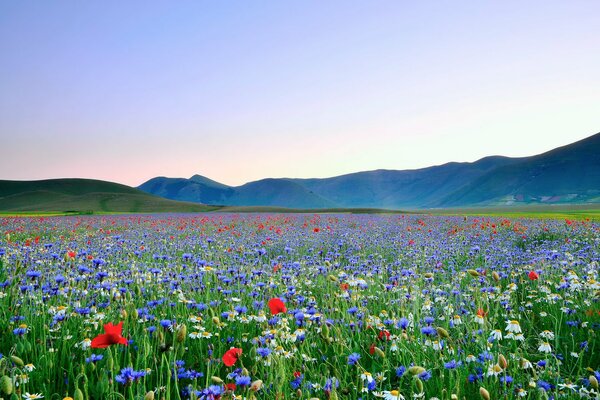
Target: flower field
(266, 306)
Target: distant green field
(85, 196)
(578, 212)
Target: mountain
(266, 192)
(85, 195)
(566, 175)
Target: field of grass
(297, 306)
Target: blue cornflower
(129, 375)
(243, 380)
(453, 364)
(94, 358)
(263, 351)
(425, 375)
(428, 330)
(403, 323)
(165, 323)
(353, 358)
(297, 381)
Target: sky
(239, 91)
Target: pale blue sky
(239, 91)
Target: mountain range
(565, 175)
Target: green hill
(85, 195)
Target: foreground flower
(112, 335)
(32, 396)
(129, 375)
(533, 275)
(277, 306)
(389, 395)
(231, 356)
(513, 326)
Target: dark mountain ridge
(565, 175)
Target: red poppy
(230, 387)
(533, 275)
(71, 254)
(297, 374)
(481, 312)
(112, 335)
(277, 306)
(384, 335)
(231, 356)
(372, 349)
(344, 286)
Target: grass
(190, 287)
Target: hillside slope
(84, 195)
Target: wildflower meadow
(298, 306)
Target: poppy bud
(502, 361)
(333, 278)
(149, 395)
(6, 385)
(216, 320)
(473, 273)
(416, 370)
(78, 395)
(485, 395)
(256, 385)
(428, 275)
(325, 331)
(18, 362)
(299, 393)
(495, 276)
(593, 381)
(453, 397)
(379, 352)
(123, 314)
(419, 385)
(245, 372)
(216, 380)
(110, 363)
(181, 333)
(442, 332)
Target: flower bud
(256, 385)
(181, 333)
(416, 370)
(379, 352)
(419, 385)
(502, 362)
(485, 395)
(6, 385)
(18, 361)
(442, 332)
(78, 395)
